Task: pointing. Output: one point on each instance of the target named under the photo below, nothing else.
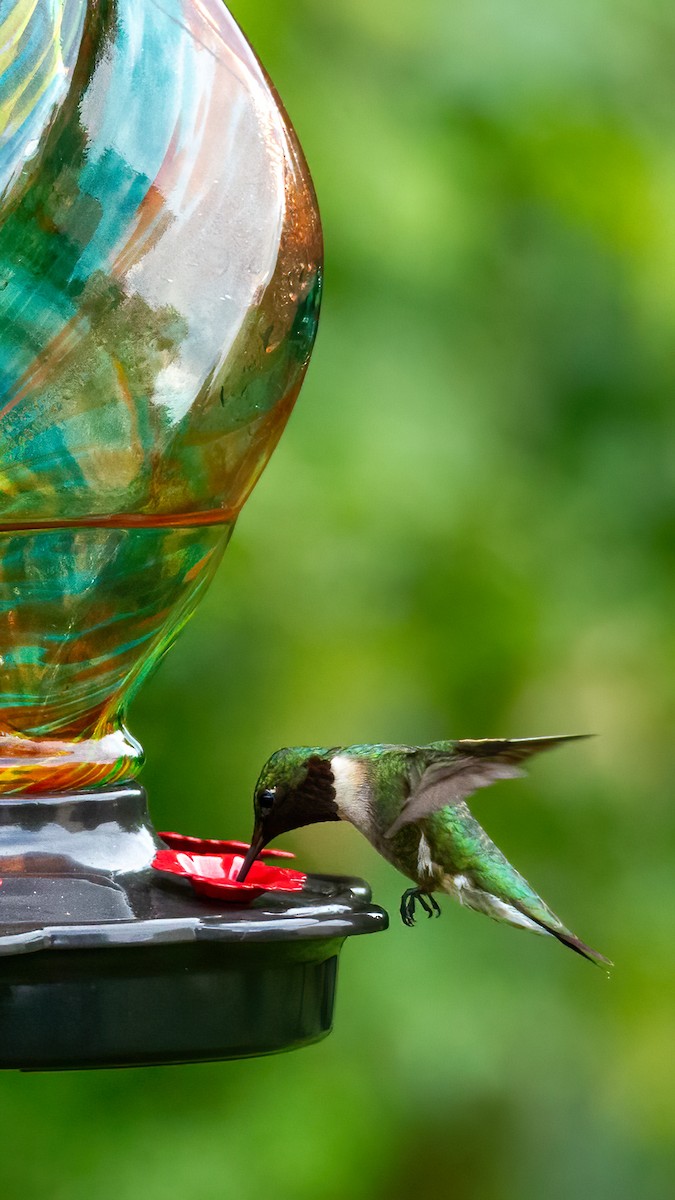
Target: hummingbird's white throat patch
(351, 788)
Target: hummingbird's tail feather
(579, 947)
(566, 937)
(492, 885)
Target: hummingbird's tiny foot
(409, 900)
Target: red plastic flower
(193, 845)
(214, 874)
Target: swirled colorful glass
(160, 271)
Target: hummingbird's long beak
(258, 843)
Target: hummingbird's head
(296, 787)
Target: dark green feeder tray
(105, 963)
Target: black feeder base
(106, 963)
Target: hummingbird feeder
(160, 275)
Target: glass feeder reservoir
(160, 275)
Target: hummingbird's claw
(407, 910)
(429, 904)
(409, 900)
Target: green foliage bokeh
(467, 530)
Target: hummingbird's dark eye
(266, 801)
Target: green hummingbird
(410, 803)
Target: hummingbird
(410, 803)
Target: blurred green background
(467, 530)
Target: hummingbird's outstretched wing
(458, 769)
